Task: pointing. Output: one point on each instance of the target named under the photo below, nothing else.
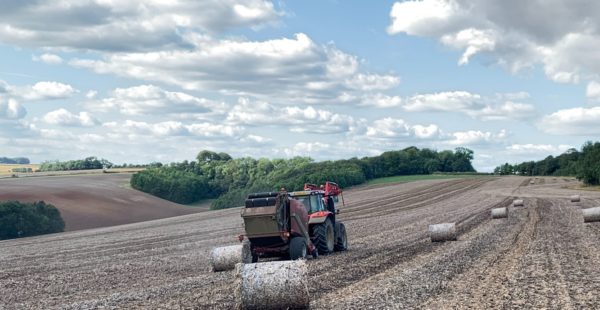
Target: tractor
(296, 224)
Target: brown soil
(90, 201)
(541, 256)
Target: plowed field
(541, 256)
(94, 200)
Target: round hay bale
(272, 285)
(225, 258)
(498, 213)
(518, 203)
(442, 232)
(591, 215)
(575, 198)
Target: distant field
(7, 168)
(420, 177)
(93, 200)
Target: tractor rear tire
(298, 248)
(341, 241)
(324, 235)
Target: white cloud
(91, 94)
(174, 128)
(444, 101)
(124, 25)
(63, 117)
(298, 119)
(473, 105)
(397, 129)
(476, 137)
(381, 101)
(535, 149)
(11, 110)
(368, 82)
(150, 99)
(50, 59)
(575, 121)
(513, 34)
(45, 90)
(286, 69)
(593, 91)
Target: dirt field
(90, 201)
(7, 168)
(542, 256)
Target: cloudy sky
(160, 80)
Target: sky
(143, 81)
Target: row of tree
(15, 161)
(584, 164)
(215, 175)
(28, 219)
(79, 164)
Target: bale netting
(225, 258)
(575, 198)
(498, 213)
(272, 285)
(591, 215)
(518, 203)
(442, 232)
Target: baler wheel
(324, 237)
(341, 240)
(298, 248)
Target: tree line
(218, 175)
(15, 161)
(584, 164)
(28, 219)
(79, 164)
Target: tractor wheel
(341, 241)
(297, 248)
(324, 236)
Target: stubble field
(541, 256)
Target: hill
(89, 201)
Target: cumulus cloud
(473, 105)
(174, 128)
(124, 25)
(534, 149)
(476, 137)
(397, 129)
(11, 109)
(291, 69)
(46, 90)
(516, 35)
(150, 99)
(593, 91)
(298, 119)
(50, 59)
(63, 117)
(575, 121)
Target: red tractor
(295, 224)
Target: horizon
(152, 82)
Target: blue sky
(160, 81)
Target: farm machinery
(294, 224)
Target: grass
(419, 177)
(7, 168)
(204, 203)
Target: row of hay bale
(265, 285)
(590, 214)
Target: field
(542, 256)
(7, 168)
(419, 177)
(92, 200)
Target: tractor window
(305, 201)
(315, 204)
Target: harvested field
(541, 256)
(90, 201)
